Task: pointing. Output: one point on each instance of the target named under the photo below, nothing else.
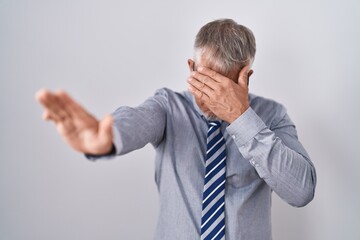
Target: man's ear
(191, 64)
(244, 75)
(249, 75)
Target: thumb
(105, 128)
(244, 76)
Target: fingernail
(200, 69)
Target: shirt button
(252, 162)
(233, 136)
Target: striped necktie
(213, 204)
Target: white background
(111, 53)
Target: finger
(74, 108)
(105, 127)
(244, 76)
(105, 132)
(198, 93)
(66, 128)
(211, 83)
(42, 96)
(70, 105)
(47, 116)
(61, 110)
(201, 86)
(50, 103)
(212, 74)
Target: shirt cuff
(117, 140)
(245, 127)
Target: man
(220, 151)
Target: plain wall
(109, 53)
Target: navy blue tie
(213, 205)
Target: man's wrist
(109, 153)
(245, 127)
(236, 115)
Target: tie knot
(214, 123)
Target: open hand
(80, 130)
(225, 98)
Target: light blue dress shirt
(263, 155)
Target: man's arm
(80, 130)
(134, 127)
(276, 153)
(125, 130)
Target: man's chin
(211, 117)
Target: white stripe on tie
(214, 145)
(213, 191)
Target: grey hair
(225, 45)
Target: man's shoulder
(168, 92)
(257, 100)
(173, 97)
(269, 110)
(171, 94)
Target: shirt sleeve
(134, 127)
(277, 155)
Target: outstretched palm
(80, 130)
